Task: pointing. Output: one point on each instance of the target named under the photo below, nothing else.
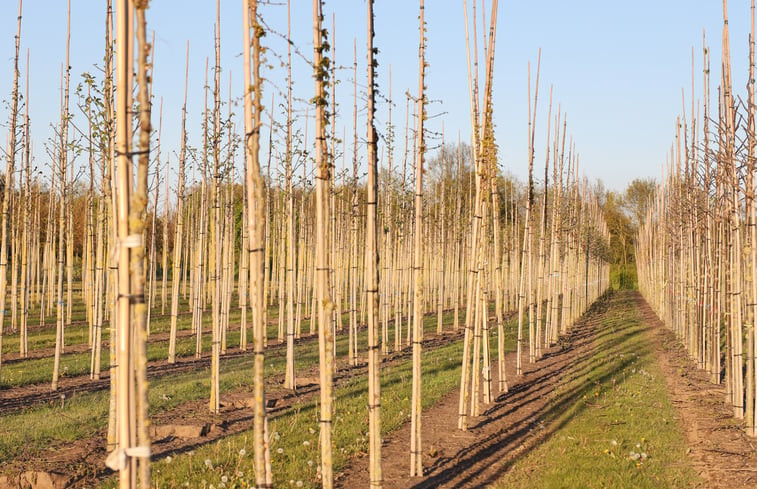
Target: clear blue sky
(617, 67)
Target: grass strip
(611, 421)
(228, 463)
(32, 432)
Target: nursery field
(602, 408)
(268, 244)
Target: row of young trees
(697, 249)
(465, 236)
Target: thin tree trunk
(325, 305)
(9, 169)
(253, 109)
(416, 447)
(137, 224)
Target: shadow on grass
(605, 331)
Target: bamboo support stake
(100, 237)
(178, 239)
(352, 334)
(152, 271)
(15, 226)
(336, 316)
(487, 155)
(28, 228)
(111, 200)
(751, 353)
(416, 447)
(442, 255)
(125, 402)
(69, 244)
(164, 247)
(8, 190)
(474, 233)
(557, 237)
(62, 164)
(541, 267)
(244, 265)
(198, 297)
(290, 381)
(388, 226)
(735, 319)
(524, 294)
(215, 228)
(87, 264)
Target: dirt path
(509, 428)
(721, 452)
(512, 426)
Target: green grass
(45, 428)
(78, 332)
(33, 431)
(623, 277)
(295, 446)
(611, 423)
(37, 370)
(40, 369)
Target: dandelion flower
(279, 450)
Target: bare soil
(190, 425)
(721, 452)
(25, 396)
(507, 430)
